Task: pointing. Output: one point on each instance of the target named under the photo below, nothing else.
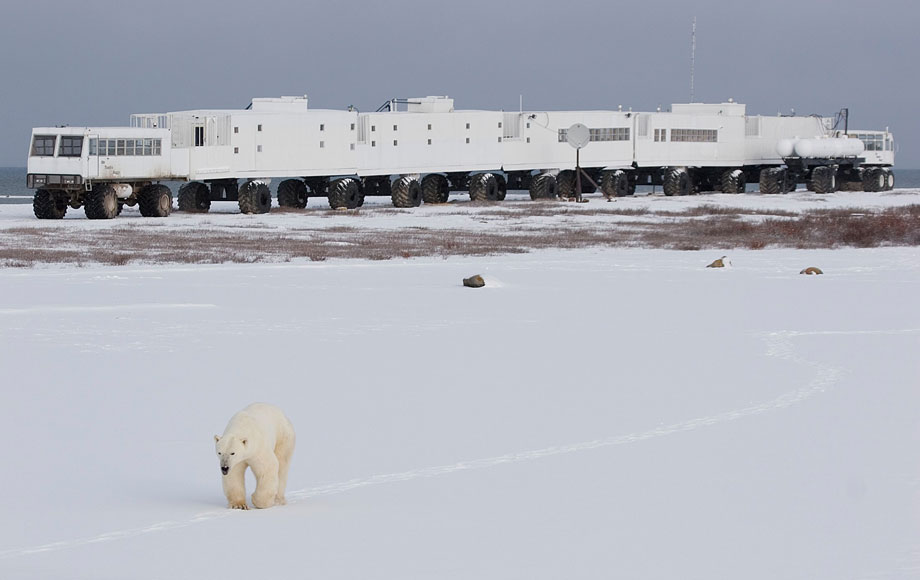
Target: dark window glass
(71, 146)
(43, 145)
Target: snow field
(593, 412)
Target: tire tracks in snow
(778, 345)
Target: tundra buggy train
(423, 149)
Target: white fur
(262, 438)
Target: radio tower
(692, 57)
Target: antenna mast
(692, 57)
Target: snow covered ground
(589, 413)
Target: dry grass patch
(699, 228)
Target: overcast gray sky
(94, 62)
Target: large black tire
(483, 187)
(565, 183)
(677, 182)
(873, 179)
(733, 181)
(406, 192)
(889, 178)
(292, 193)
(154, 200)
(435, 188)
(543, 186)
(50, 204)
(824, 179)
(502, 185)
(345, 193)
(255, 197)
(101, 203)
(773, 180)
(194, 197)
(615, 183)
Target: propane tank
(786, 147)
(833, 147)
(123, 190)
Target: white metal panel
(730, 109)
(279, 104)
(880, 146)
(305, 144)
(106, 166)
(727, 151)
(543, 146)
(762, 148)
(406, 142)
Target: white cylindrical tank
(834, 147)
(786, 147)
(123, 190)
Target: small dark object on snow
(474, 281)
(811, 270)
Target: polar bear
(260, 437)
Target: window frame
(44, 147)
(70, 146)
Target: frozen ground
(590, 413)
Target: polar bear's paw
(238, 505)
(262, 502)
(279, 500)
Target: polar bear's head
(230, 450)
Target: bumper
(53, 181)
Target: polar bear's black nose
(224, 470)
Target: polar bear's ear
(216, 438)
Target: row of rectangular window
(602, 134)
(119, 147)
(694, 135)
(43, 146)
(875, 142)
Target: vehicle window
(43, 145)
(125, 147)
(71, 146)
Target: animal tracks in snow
(779, 344)
(61, 309)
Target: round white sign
(578, 135)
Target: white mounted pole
(692, 58)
